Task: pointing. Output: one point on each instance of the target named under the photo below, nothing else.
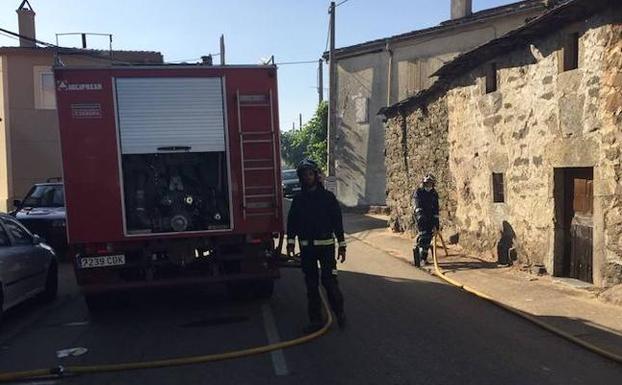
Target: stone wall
(611, 112)
(416, 144)
(538, 121)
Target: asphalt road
(405, 328)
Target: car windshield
(45, 196)
(289, 174)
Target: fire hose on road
(60, 371)
(193, 360)
(442, 275)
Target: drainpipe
(389, 72)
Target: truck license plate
(107, 260)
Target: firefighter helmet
(429, 178)
(307, 164)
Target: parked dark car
(43, 212)
(291, 184)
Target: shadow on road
(466, 265)
(395, 320)
(355, 223)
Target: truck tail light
(100, 248)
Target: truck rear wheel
(96, 303)
(264, 289)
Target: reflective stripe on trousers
(318, 242)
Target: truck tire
(240, 291)
(264, 289)
(96, 303)
(246, 291)
(51, 284)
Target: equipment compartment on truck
(173, 156)
(172, 175)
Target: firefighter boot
(416, 258)
(423, 256)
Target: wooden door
(581, 224)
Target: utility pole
(293, 126)
(300, 120)
(222, 50)
(332, 95)
(320, 80)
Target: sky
(291, 30)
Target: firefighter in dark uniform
(315, 218)
(425, 202)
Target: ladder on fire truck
(258, 198)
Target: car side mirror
(37, 240)
(17, 203)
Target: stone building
(29, 138)
(524, 133)
(378, 73)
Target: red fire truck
(172, 176)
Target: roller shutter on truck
(173, 154)
(156, 113)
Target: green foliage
(308, 142)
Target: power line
(6, 31)
(343, 2)
(184, 60)
(65, 50)
(298, 62)
(9, 36)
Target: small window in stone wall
(491, 77)
(570, 52)
(498, 195)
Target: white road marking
(278, 358)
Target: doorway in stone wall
(574, 211)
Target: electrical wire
(341, 3)
(9, 36)
(64, 50)
(14, 34)
(297, 62)
(184, 60)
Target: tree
(308, 142)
